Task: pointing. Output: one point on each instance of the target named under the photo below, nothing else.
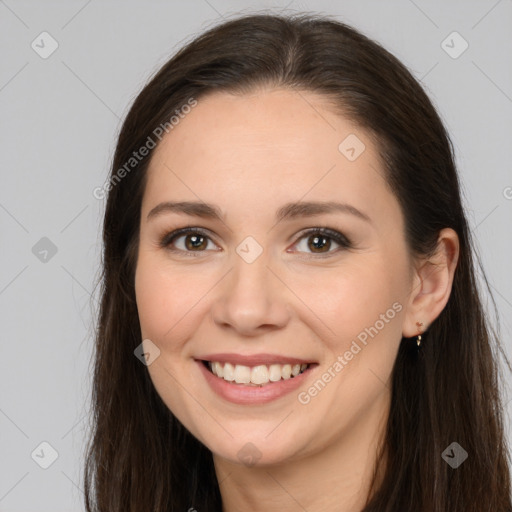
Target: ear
(432, 284)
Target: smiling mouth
(259, 375)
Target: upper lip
(253, 359)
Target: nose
(251, 299)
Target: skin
(249, 155)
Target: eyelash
(336, 236)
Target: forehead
(295, 126)
(282, 144)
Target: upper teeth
(258, 375)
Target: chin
(252, 451)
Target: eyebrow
(287, 212)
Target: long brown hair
(139, 455)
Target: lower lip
(247, 395)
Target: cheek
(167, 303)
(165, 295)
(348, 299)
(358, 309)
(167, 300)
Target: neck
(336, 477)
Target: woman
(290, 317)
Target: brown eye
(193, 242)
(320, 241)
(187, 241)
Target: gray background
(59, 120)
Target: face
(263, 285)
